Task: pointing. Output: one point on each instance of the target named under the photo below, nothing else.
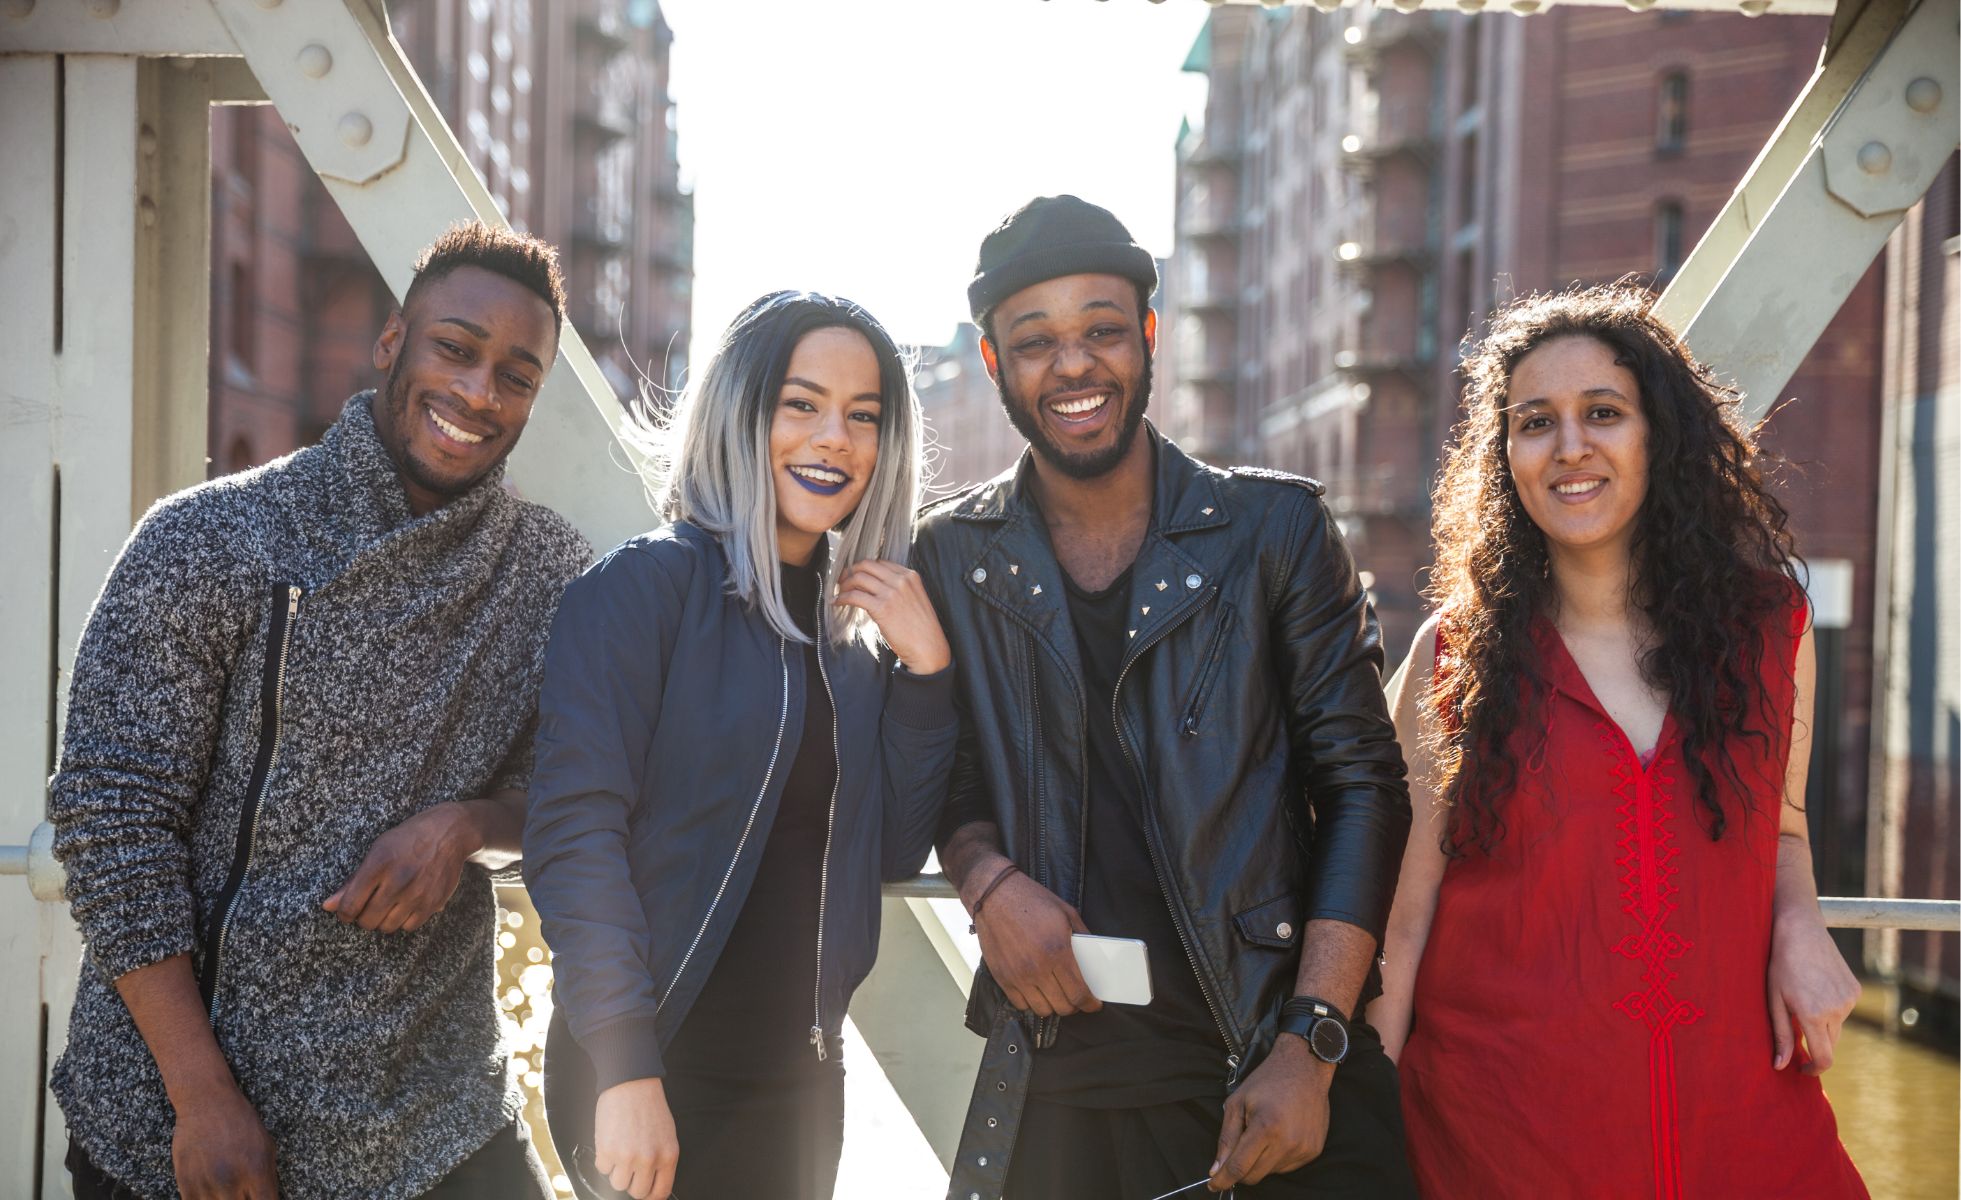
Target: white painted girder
(1762, 285)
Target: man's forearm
(1335, 960)
(495, 827)
(971, 857)
(163, 1000)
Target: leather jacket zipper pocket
(1208, 673)
(272, 702)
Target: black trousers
(1067, 1153)
(740, 1139)
(505, 1168)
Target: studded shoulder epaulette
(1314, 486)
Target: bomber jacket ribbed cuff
(923, 702)
(627, 1049)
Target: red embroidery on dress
(1647, 863)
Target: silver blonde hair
(709, 463)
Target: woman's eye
(1606, 412)
(800, 404)
(868, 418)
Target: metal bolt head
(1875, 158)
(356, 129)
(1923, 95)
(315, 60)
(982, 1160)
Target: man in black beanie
(1173, 731)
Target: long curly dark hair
(1713, 560)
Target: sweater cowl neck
(370, 502)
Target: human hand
(409, 873)
(221, 1150)
(895, 599)
(1278, 1119)
(1810, 988)
(634, 1144)
(1024, 937)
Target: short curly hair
(520, 257)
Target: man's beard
(395, 403)
(1027, 420)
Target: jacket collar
(1186, 494)
(1015, 570)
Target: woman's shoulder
(676, 557)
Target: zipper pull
(1232, 1071)
(292, 601)
(817, 1040)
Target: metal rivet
(1923, 95)
(1875, 158)
(1192, 581)
(1014, 568)
(991, 1122)
(102, 10)
(1146, 609)
(1013, 1049)
(356, 129)
(980, 574)
(1036, 590)
(1001, 1087)
(1162, 585)
(1133, 633)
(1283, 930)
(973, 1196)
(316, 60)
(982, 1160)
(1206, 511)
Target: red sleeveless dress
(1590, 1015)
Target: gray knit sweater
(412, 662)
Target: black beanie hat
(1052, 236)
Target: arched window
(1672, 113)
(1668, 239)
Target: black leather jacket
(1250, 702)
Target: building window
(1672, 113)
(1668, 239)
(244, 308)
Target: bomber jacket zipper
(273, 706)
(769, 772)
(1157, 864)
(830, 828)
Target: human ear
(389, 344)
(991, 359)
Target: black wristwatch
(1319, 1024)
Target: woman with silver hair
(746, 723)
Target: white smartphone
(1117, 970)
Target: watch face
(1329, 1041)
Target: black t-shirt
(752, 1020)
(1126, 1055)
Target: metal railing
(1841, 912)
(44, 876)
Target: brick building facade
(1367, 185)
(562, 108)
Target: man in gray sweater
(298, 735)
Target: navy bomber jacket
(670, 714)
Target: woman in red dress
(1606, 973)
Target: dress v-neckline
(1584, 693)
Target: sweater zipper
(270, 734)
(830, 828)
(1157, 865)
(782, 720)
